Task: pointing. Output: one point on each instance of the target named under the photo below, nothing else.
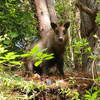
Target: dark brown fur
(55, 42)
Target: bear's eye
(57, 32)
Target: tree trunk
(51, 9)
(70, 41)
(88, 11)
(43, 16)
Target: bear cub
(55, 41)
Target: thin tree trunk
(78, 21)
(71, 49)
(70, 44)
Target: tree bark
(51, 9)
(70, 42)
(43, 16)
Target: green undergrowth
(17, 88)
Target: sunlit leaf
(37, 63)
(14, 35)
(7, 42)
(15, 62)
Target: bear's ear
(54, 25)
(66, 25)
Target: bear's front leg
(60, 65)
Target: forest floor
(70, 87)
(63, 88)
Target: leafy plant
(13, 83)
(97, 80)
(92, 94)
(98, 18)
(98, 15)
(79, 45)
(70, 93)
(18, 23)
(37, 54)
(8, 57)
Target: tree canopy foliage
(17, 23)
